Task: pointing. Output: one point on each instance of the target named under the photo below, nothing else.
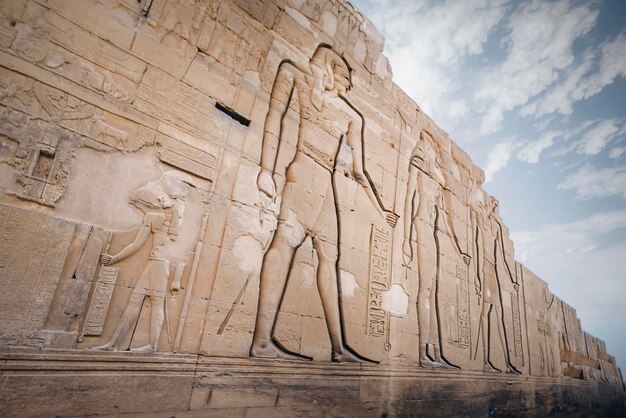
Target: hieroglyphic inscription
(463, 317)
(379, 281)
(517, 326)
(543, 327)
(188, 158)
(32, 252)
(100, 302)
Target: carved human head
(331, 69)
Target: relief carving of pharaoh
(308, 206)
(489, 255)
(424, 215)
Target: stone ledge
(52, 383)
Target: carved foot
(344, 357)
(490, 369)
(348, 355)
(511, 369)
(145, 349)
(270, 350)
(426, 362)
(105, 347)
(447, 366)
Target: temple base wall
(62, 384)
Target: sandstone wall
(242, 179)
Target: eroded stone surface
(242, 179)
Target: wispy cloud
(434, 39)
(568, 238)
(590, 182)
(499, 157)
(531, 151)
(596, 138)
(616, 152)
(533, 63)
(596, 69)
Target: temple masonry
(228, 208)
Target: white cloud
(499, 157)
(589, 182)
(596, 138)
(597, 68)
(560, 98)
(616, 152)
(577, 237)
(425, 44)
(541, 35)
(612, 65)
(591, 136)
(531, 152)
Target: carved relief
(379, 281)
(32, 250)
(490, 257)
(65, 321)
(99, 306)
(187, 158)
(32, 44)
(147, 97)
(163, 203)
(424, 216)
(309, 209)
(463, 317)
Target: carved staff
(192, 279)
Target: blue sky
(535, 91)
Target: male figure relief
(308, 201)
(162, 203)
(424, 213)
(486, 281)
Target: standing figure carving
(424, 210)
(162, 203)
(308, 207)
(488, 242)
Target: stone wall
(187, 181)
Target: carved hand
(391, 218)
(266, 184)
(175, 287)
(466, 259)
(107, 260)
(516, 287)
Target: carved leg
(156, 325)
(328, 290)
(486, 326)
(274, 273)
(509, 367)
(425, 320)
(130, 315)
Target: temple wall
(242, 179)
